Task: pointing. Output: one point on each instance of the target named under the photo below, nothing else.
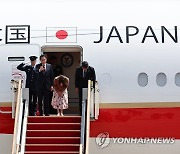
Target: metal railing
(20, 120)
(15, 145)
(94, 101)
(83, 125)
(85, 119)
(88, 118)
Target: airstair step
(52, 147)
(53, 140)
(52, 152)
(53, 126)
(54, 119)
(53, 133)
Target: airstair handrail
(19, 94)
(20, 120)
(23, 126)
(94, 101)
(85, 120)
(88, 117)
(83, 127)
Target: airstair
(54, 134)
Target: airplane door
(11, 57)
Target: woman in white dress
(60, 94)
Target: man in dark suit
(31, 83)
(45, 84)
(82, 75)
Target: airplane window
(142, 79)
(161, 79)
(177, 79)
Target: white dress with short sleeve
(60, 102)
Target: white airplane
(134, 48)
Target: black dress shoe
(46, 114)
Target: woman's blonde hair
(61, 83)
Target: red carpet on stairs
(53, 135)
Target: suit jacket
(82, 82)
(45, 77)
(31, 75)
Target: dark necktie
(44, 69)
(84, 73)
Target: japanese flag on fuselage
(61, 34)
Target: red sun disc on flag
(61, 34)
